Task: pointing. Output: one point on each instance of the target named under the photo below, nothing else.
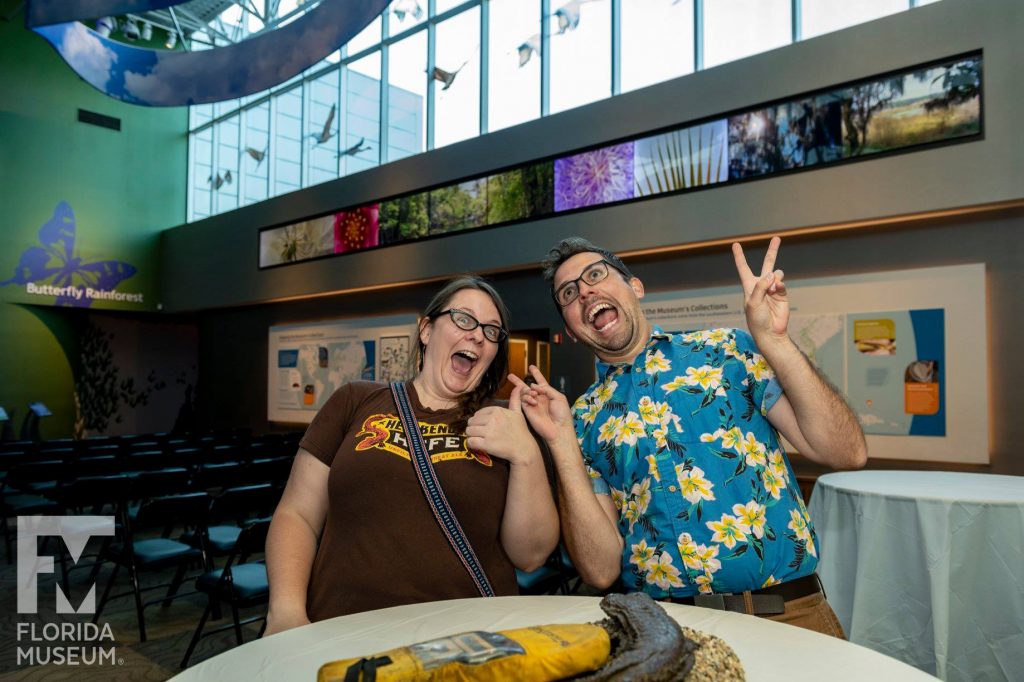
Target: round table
(927, 567)
(769, 651)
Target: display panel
(907, 349)
(307, 362)
(931, 104)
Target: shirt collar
(605, 368)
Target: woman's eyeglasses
(467, 322)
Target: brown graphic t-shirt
(381, 545)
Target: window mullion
(545, 58)
(431, 46)
(485, 62)
(616, 38)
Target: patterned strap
(435, 495)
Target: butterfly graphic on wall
(54, 262)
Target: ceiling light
(147, 31)
(172, 40)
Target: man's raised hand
(764, 297)
(545, 407)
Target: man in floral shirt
(672, 477)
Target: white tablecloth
(927, 567)
(769, 651)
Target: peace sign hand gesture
(764, 297)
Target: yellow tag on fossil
(544, 652)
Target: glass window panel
(254, 162)
(404, 14)
(225, 107)
(288, 142)
(824, 16)
(199, 114)
(225, 171)
(323, 125)
(514, 63)
(739, 28)
(202, 173)
(581, 53)
(360, 147)
(366, 38)
(657, 41)
(407, 90)
(253, 24)
(924, 2)
(285, 6)
(441, 6)
(457, 94)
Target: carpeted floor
(168, 630)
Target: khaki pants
(811, 613)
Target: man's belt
(764, 602)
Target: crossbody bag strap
(435, 494)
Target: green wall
(123, 187)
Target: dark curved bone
(646, 643)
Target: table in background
(927, 567)
(769, 651)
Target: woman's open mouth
(463, 361)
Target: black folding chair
(220, 475)
(230, 511)
(146, 554)
(148, 460)
(274, 470)
(239, 584)
(29, 488)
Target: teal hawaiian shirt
(707, 500)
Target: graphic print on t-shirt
(384, 432)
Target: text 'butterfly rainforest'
(53, 262)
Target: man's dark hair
(569, 247)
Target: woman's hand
(503, 432)
(546, 407)
(279, 621)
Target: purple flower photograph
(597, 177)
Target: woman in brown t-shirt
(353, 530)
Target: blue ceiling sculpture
(167, 78)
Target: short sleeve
(330, 425)
(766, 388)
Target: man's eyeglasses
(591, 275)
(467, 322)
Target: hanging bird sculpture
(328, 132)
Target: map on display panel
(309, 372)
(884, 340)
(309, 362)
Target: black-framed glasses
(467, 322)
(592, 274)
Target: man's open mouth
(602, 316)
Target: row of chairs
(174, 453)
(177, 531)
(181, 506)
(56, 486)
(238, 438)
